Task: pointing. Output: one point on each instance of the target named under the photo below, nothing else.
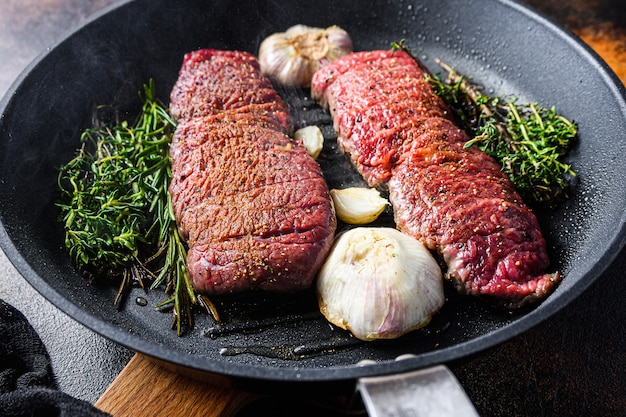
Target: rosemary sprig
(117, 210)
(528, 140)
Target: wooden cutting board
(147, 388)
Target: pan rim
(346, 372)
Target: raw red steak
(252, 205)
(400, 135)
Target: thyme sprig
(528, 140)
(117, 211)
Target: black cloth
(27, 385)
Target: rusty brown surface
(600, 23)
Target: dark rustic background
(571, 365)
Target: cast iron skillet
(505, 46)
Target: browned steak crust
(399, 134)
(250, 202)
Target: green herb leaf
(117, 211)
(528, 140)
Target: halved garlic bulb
(291, 57)
(358, 205)
(312, 138)
(379, 283)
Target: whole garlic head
(291, 57)
(379, 283)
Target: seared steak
(211, 82)
(399, 134)
(252, 205)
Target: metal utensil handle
(428, 392)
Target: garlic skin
(291, 57)
(312, 139)
(358, 205)
(379, 283)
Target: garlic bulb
(379, 283)
(358, 205)
(291, 57)
(312, 138)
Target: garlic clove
(312, 138)
(358, 205)
(291, 57)
(379, 283)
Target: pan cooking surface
(281, 337)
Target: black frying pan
(501, 44)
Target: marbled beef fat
(399, 134)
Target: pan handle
(430, 392)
